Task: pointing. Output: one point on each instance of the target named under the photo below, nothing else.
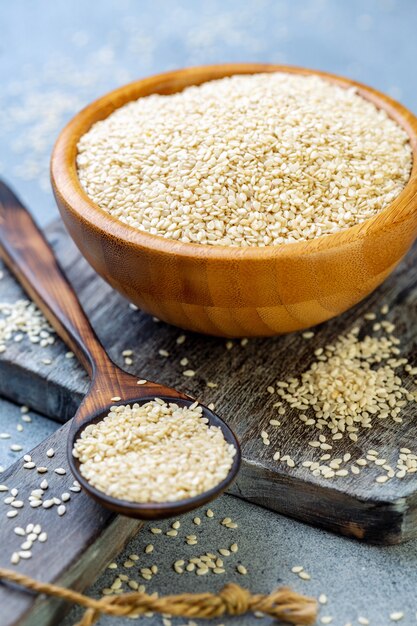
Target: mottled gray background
(55, 57)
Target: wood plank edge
(384, 522)
(40, 394)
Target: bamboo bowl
(231, 291)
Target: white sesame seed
(25, 554)
(396, 616)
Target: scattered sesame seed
(396, 616)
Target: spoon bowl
(29, 256)
(155, 510)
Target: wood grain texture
(229, 291)
(355, 506)
(79, 546)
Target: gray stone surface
(359, 580)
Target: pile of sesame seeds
(251, 160)
(351, 384)
(154, 452)
(22, 318)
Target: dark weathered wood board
(353, 505)
(79, 544)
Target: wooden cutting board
(354, 505)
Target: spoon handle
(31, 259)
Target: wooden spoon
(29, 256)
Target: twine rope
(283, 604)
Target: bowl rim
(68, 190)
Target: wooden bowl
(232, 291)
